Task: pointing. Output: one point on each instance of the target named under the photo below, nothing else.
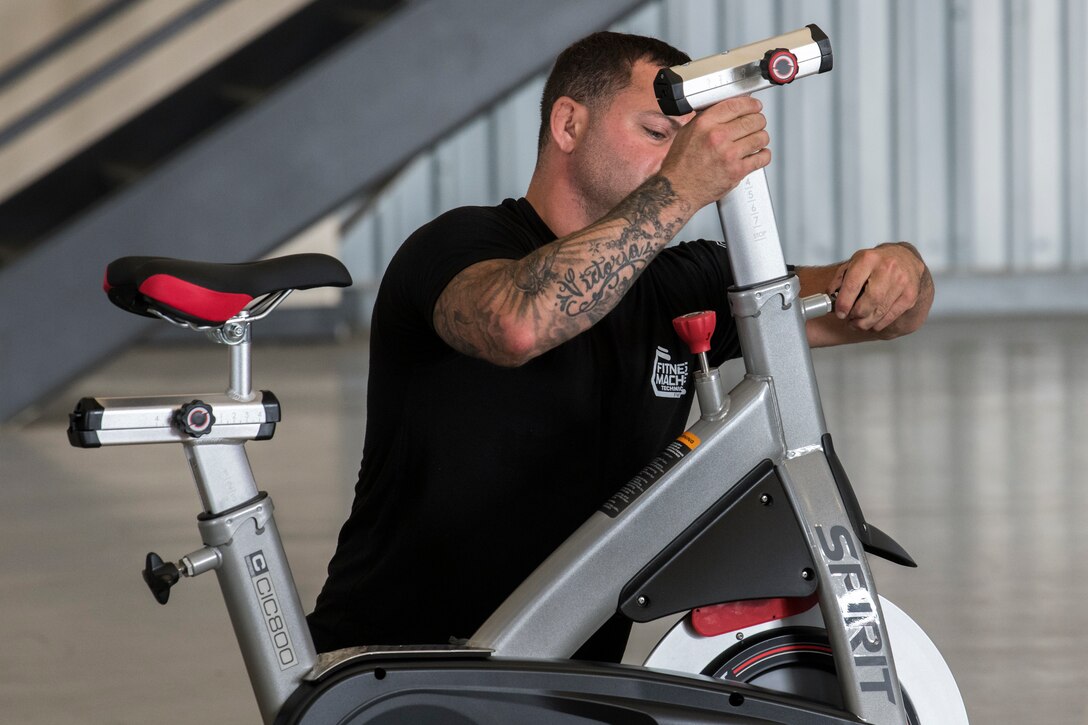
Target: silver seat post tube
(751, 233)
(237, 336)
(262, 600)
(254, 575)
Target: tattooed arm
(509, 311)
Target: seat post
(236, 335)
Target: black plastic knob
(195, 419)
(160, 576)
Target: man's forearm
(510, 311)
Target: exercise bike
(757, 534)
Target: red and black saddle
(210, 293)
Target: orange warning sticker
(689, 439)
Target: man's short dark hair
(597, 67)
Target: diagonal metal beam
(343, 125)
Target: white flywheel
(924, 676)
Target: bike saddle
(208, 293)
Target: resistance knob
(695, 329)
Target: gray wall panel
(955, 124)
(1075, 169)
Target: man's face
(624, 144)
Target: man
(513, 349)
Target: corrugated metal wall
(956, 124)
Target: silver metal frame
(241, 541)
(773, 414)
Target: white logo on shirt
(668, 379)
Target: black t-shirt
(473, 473)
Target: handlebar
(775, 61)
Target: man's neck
(557, 203)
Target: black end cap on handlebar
(669, 90)
(271, 406)
(83, 422)
(827, 60)
(271, 415)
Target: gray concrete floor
(965, 442)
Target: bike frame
(237, 526)
(774, 414)
(772, 419)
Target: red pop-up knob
(695, 329)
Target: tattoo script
(618, 262)
(562, 288)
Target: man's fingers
(756, 142)
(890, 291)
(835, 286)
(854, 279)
(743, 127)
(757, 160)
(738, 118)
(900, 306)
(877, 287)
(735, 106)
(871, 307)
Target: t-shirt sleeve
(430, 258)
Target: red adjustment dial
(779, 66)
(695, 329)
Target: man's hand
(714, 151)
(879, 293)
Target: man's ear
(568, 123)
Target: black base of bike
(459, 692)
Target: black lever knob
(160, 576)
(195, 419)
